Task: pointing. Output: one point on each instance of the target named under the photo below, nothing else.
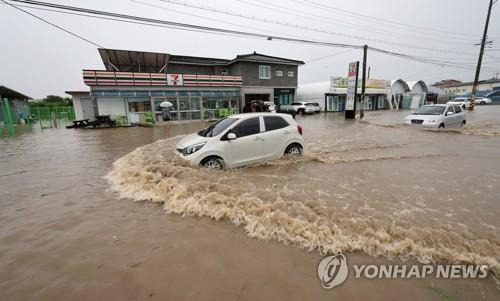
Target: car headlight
(193, 148)
(432, 121)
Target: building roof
(11, 94)
(262, 58)
(446, 82)
(77, 92)
(487, 81)
(435, 90)
(153, 62)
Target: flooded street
(374, 190)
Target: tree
(53, 100)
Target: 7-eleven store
(136, 96)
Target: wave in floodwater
(481, 131)
(283, 213)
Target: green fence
(6, 119)
(52, 116)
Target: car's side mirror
(449, 113)
(231, 136)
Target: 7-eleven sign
(174, 80)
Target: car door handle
(258, 139)
(286, 132)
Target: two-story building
(135, 83)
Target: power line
(206, 29)
(377, 20)
(357, 26)
(125, 21)
(211, 19)
(52, 24)
(423, 59)
(297, 26)
(186, 25)
(328, 56)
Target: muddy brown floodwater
(374, 190)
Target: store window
(279, 73)
(139, 104)
(264, 72)
(139, 109)
(217, 107)
(173, 110)
(290, 73)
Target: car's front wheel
(214, 163)
(441, 126)
(293, 150)
(482, 103)
(462, 124)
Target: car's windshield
(217, 128)
(430, 110)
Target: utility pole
(480, 61)
(363, 84)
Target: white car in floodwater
(464, 102)
(438, 116)
(243, 139)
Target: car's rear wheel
(482, 103)
(214, 163)
(294, 149)
(441, 126)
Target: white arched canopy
(399, 86)
(418, 87)
(418, 93)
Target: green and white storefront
(136, 97)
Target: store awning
(133, 61)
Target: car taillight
(299, 127)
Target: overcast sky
(38, 59)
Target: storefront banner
(342, 82)
(352, 80)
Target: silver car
(438, 116)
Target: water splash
(286, 214)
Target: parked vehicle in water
(438, 116)
(243, 139)
(317, 107)
(464, 102)
(305, 107)
(483, 100)
(287, 109)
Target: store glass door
(195, 106)
(333, 103)
(189, 108)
